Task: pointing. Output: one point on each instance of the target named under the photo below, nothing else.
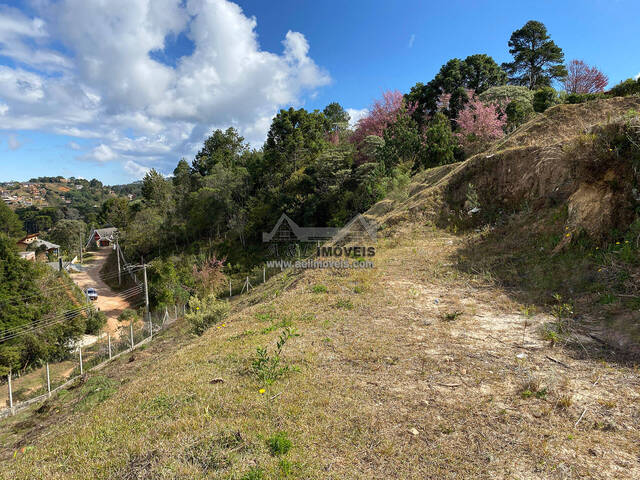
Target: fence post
(131, 333)
(229, 287)
(80, 353)
(10, 393)
(48, 382)
(176, 310)
(264, 274)
(109, 343)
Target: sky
(109, 89)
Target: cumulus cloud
(135, 169)
(74, 146)
(412, 39)
(355, 115)
(637, 76)
(86, 69)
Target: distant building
(25, 243)
(102, 237)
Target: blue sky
(110, 89)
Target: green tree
(544, 98)
(157, 190)
(537, 60)
(69, 234)
(440, 143)
(481, 72)
(115, 211)
(10, 223)
(221, 147)
(337, 117)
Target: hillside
(450, 359)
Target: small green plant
(253, 474)
(551, 335)
(562, 312)
(564, 402)
(451, 316)
(472, 197)
(345, 303)
(127, 315)
(319, 289)
(96, 390)
(268, 368)
(279, 443)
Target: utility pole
(80, 248)
(146, 290)
(80, 354)
(48, 382)
(10, 393)
(118, 257)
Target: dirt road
(108, 302)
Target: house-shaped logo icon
(286, 230)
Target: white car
(92, 293)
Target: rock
(414, 432)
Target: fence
(36, 386)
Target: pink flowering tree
(479, 124)
(382, 113)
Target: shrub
(506, 94)
(518, 112)
(625, 88)
(95, 322)
(319, 289)
(268, 368)
(574, 98)
(127, 315)
(544, 98)
(253, 474)
(206, 312)
(279, 443)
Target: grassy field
(414, 369)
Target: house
(25, 243)
(102, 237)
(48, 246)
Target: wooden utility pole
(118, 257)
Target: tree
(479, 124)
(115, 211)
(10, 223)
(477, 72)
(157, 190)
(440, 143)
(337, 117)
(221, 147)
(381, 114)
(69, 234)
(537, 60)
(582, 78)
(544, 98)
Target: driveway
(108, 302)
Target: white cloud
(74, 146)
(412, 39)
(105, 84)
(135, 169)
(637, 76)
(13, 142)
(101, 153)
(356, 115)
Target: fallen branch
(557, 361)
(452, 385)
(583, 412)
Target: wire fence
(87, 354)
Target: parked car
(92, 293)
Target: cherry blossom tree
(584, 79)
(479, 124)
(382, 113)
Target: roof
(106, 232)
(48, 245)
(30, 236)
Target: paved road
(108, 301)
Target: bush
(206, 312)
(127, 315)
(518, 112)
(628, 87)
(544, 98)
(506, 94)
(95, 322)
(574, 98)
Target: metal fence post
(109, 343)
(80, 353)
(229, 287)
(48, 382)
(10, 393)
(131, 333)
(264, 274)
